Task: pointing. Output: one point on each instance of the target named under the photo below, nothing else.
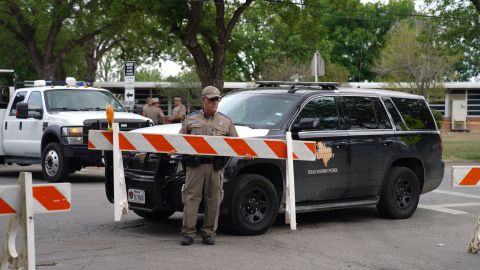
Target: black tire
(154, 216)
(254, 205)
(400, 195)
(55, 166)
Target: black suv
(379, 147)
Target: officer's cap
(154, 100)
(210, 92)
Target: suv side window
(360, 112)
(383, 120)
(19, 97)
(415, 113)
(320, 113)
(397, 119)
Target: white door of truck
(11, 128)
(32, 128)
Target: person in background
(155, 112)
(204, 179)
(147, 104)
(179, 111)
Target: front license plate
(136, 196)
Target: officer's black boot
(208, 240)
(187, 240)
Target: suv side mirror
(22, 110)
(306, 124)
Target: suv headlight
(73, 135)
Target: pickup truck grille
(101, 124)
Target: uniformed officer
(204, 174)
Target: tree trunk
(90, 61)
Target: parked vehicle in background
(374, 147)
(49, 125)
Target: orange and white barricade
(468, 176)
(22, 202)
(200, 145)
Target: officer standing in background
(204, 173)
(179, 111)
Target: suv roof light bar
(323, 85)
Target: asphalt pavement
(435, 237)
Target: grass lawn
(461, 145)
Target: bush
(438, 118)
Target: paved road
(436, 237)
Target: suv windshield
(257, 110)
(80, 100)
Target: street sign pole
(129, 84)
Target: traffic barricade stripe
(50, 198)
(472, 178)
(5, 208)
(240, 147)
(125, 143)
(202, 145)
(159, 142)
(46, 198)
(464, 176)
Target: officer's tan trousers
(202, 180)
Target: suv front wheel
(399, 198)
(254, 205)
(55, 166)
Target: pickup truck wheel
(400, 196)
(55, 166)
(155, 216)
(254, 205)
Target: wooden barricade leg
(119, 186)
(24, 219)
(290, 214)
(475, 243)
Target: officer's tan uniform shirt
(218, 125)
(154, 113)
(179, 112)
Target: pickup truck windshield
(80, 100)
(257, 110)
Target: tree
(204, 29)
(458, 27)
(47, 28)
(411, 56)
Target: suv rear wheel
(55, 166)
(400, 196)
(254, 205)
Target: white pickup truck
(49, 125)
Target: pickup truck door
(32, 128)
(327, 177)
(11, 127)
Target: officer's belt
(205, 160)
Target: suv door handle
(20, 126)
(340, 144)
(388, 142)
(6, 125)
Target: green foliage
(459, 28)
(410, 55)
(438, 118)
